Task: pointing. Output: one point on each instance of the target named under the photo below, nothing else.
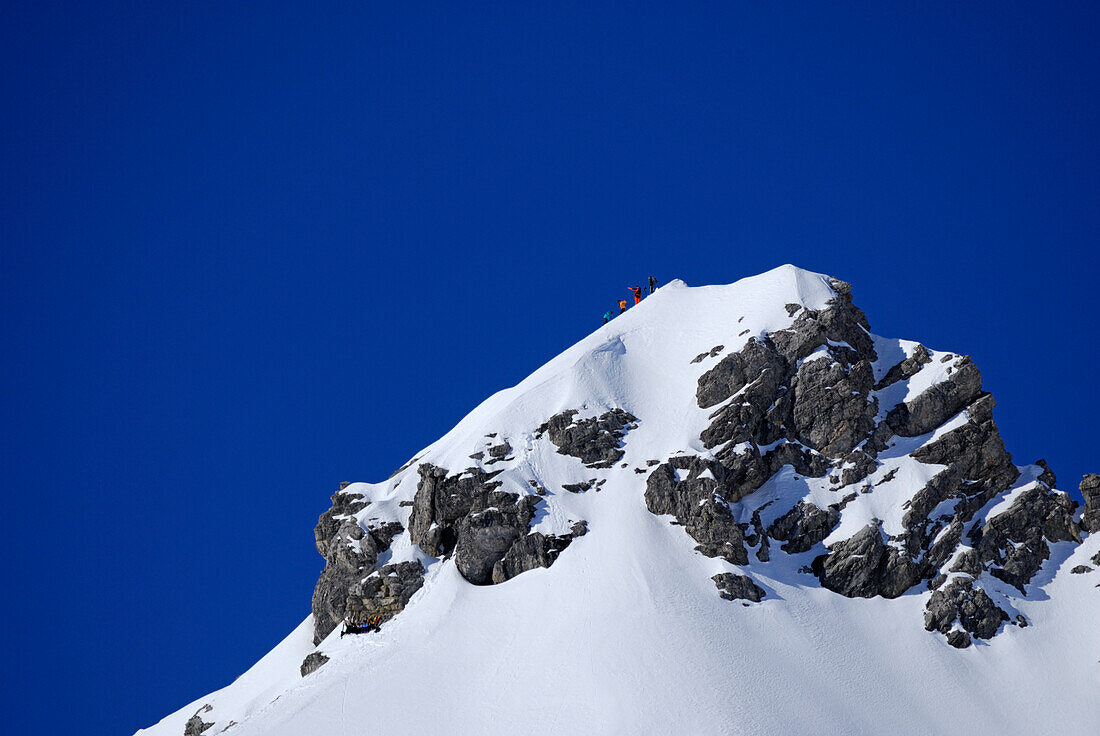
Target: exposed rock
(831, 411)
(350, 555)
(1047, 476)
(736, 370)
(595, 441)
(938, 403)
(441, 501)
(857, 466)
(384, 593)
(344, 504)
(485, 535)
(958, 639)
(738, 587)
(972, 607)
(531, 551)
(696, 503)
(1095, 559)
(581, 487)
(195, 725)
(312, 663)
(1014, 542)
(804, 526)
(792, 309)
(1081, 569)
(906, 369)
(864, 566)
(486, 528)
(1090, 489)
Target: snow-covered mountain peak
(732, 483)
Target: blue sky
(249, 252)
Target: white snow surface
(626, 633)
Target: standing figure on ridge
(637, 293)
(622, 306)
(652, 284)
(606, 316)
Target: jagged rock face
(864, 566)
(1090, 489)
(938, 404)
(595, 441)
(804, 526)
(195, 725)
(384, 593)
(487, 529)
(971, 607)
(807, 397)
(738, 587)
(312, 663)
(351, 554)
(1013, 545)
(699, 502)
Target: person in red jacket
(637, 294)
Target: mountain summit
(732, 509)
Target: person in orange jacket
(622, 306)
(637, 293)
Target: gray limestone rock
(938, 403)
(804, 526)
(531, 551)
(384, 593)
(906, 369)
(486, 534)
(1013, 544)
(312, 663)
(697, 505)
(970, 606)
(350, 555)
(831, 411)
(195, 725)
(738, 587)
(1090, 489)
(595, 441)
(864, 566)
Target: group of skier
(638, 292)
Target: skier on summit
(606, 316)
(652, 284)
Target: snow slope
(625, 633)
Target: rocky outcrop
(906, 369)
(1013, 544)
(595, 441)
(734, 587)
(485, 528)
(384, 593)
(312, 663)
(864, 566)
(679, 488)
(972, 608)
(1090, 489)
(804, 526)
(195, 725)
(938, 403)
(351, 552)
(531, 551)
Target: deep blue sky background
(250, 252)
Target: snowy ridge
(617, 626)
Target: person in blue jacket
(606, 316)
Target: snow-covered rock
(733, 509)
